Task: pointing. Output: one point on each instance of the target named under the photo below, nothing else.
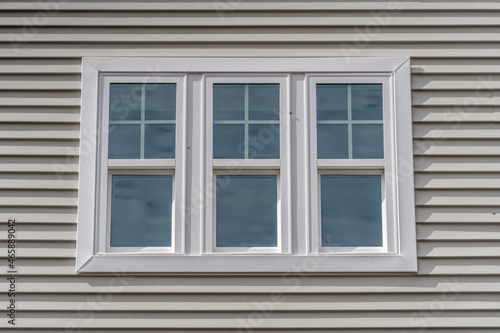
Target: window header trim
(246, 65)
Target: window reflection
(349, 121)
(351, 210)
(142, 120)
(246, 121)
(141, 211)
(246, 211)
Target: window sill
(249, 264)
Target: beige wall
(455, 53)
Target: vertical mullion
(143, 118)
(246, 122)
(349, 120)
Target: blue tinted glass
(333, 141)
(229, 101)
(124, 141)
(263, 101)
(351, 211)
(229, 141)
(160, 141)
(246, 211)
(264, 141)
(366, 101)
(331, 101)
(125, 101)
(141, 211)
(368, 141)
(160, 101)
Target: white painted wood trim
(235, 165)
(249, 263)
(350, 164)
(246, 65)
(87, 166)
(404, 155)
(397, 238)
(142, 164)
(395, 72)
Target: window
(141, 164)
(350, 155)
(246, 122)
(246, 165)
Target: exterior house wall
(455, 61)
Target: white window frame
(279, 167)
(353, 166)
(109, 167)
(196, 170)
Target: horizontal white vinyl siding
(455, 51)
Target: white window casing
(298, 168)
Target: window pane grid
(246, 122)
(145, 135)
(350, 137)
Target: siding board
(454, 46)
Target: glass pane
(160, 101)
(246, 211)
(351, 211)
(263, 101)
(125, 101)
(366, 102)
(229, 141)
(332, 141)
(264, 141)
(124, 141)
(229, 101)
(160, 141)
(368, 141)
(331, 101)
(141, 211)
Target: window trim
(404, 260)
